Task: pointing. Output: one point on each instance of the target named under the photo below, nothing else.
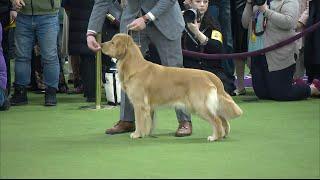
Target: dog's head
(117, 47)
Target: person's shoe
(19, 96)
(50, 96)
(316, 84)
(5, 106)
(241, 92)
(299, 81)
(93, 99)
(184, 129)
(121, 127)
(70, 79)
(232, 93)
(77, 90)
(63, 88)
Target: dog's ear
(122, 43)
(129, 40)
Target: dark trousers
(313, 72)
(218, 71)
(88, 75)
(276, 85)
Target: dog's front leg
(141, 115)
(138, 123)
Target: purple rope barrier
(253, 53)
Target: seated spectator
(204, 35)
(4, 103)
(272, 72)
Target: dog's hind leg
(218, 130)
(215, 121)
(208, 111)
(150, 122)
(226, 126)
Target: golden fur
(149, 85)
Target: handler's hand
(18, 4)
(93, 44)
(13, 15)
(137, 25)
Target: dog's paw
(212, 138)
(134, 135)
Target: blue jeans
(45, 28)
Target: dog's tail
(226, 107)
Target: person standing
(240, 43)
(150, 21)
(82, 57)
(36, 19)
(7, 19)
(303, 17)
(4, 103)
(226, 29)
(312, 44)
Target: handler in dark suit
(151, 21)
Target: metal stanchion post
(98, 75)
(98, 105)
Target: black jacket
(212, 47)
(79, 14)
(80, 11)
(5, 6)
(208, 25)
(312, 42)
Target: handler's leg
(170, 53)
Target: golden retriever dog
(149, 86)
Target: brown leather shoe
(184, 129)
(121, 127)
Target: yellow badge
(216, 35)
(253, 37)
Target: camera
(190, 15)
(259, 2)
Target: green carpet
(271, 140)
